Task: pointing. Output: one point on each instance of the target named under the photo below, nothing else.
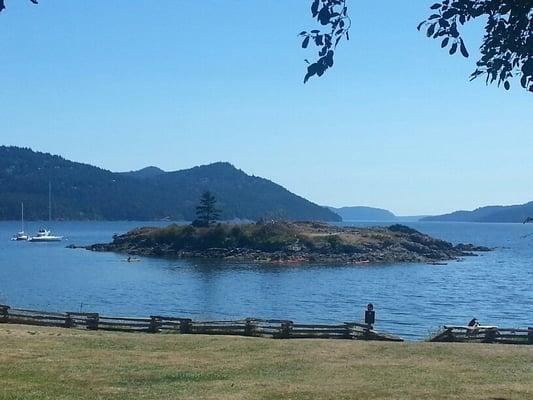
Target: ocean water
(411, 300)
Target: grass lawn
(49, 363)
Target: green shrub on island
(267, 237)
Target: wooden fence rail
(489, 334)
(278, 329)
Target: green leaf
(523, 81)
(431, 30)
(453, 49)
(464, 52)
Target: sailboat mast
(49, 201)
(22, 216)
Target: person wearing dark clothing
(474, 323)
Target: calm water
(411, 300)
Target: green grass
(47, 363)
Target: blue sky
(172, 83)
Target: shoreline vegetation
(289, 243)
(45, 363)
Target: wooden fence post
(185, 325)
(367, 333)
(4, 313)
(286, 328)
(155, 324)
(249, 328)
(69, 322)
(490, 335)
(92, 321)
(448, 335)
(349, 331)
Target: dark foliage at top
(333, 15)
(2, 4)
(84, 192)
(506, 51)
(507, 48)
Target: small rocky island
(289, 243)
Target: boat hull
(46, 239)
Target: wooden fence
(484, 335)
(278, 329)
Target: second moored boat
(45, 235)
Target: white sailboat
(45, 235)
(21, 235)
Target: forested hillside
(85, 192)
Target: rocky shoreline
(298, 243)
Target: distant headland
(519, 213)
(289, 242)
(364, 213)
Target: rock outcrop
(283, 242)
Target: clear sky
(396, 124)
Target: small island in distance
(288, 243)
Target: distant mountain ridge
(372, 214)
(144, 173)
(361, 213)
(514, 213)
(85, 192)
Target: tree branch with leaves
(507, 48)
(506, 51)
(332, 14)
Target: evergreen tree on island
(206, 212)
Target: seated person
(474, 323)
